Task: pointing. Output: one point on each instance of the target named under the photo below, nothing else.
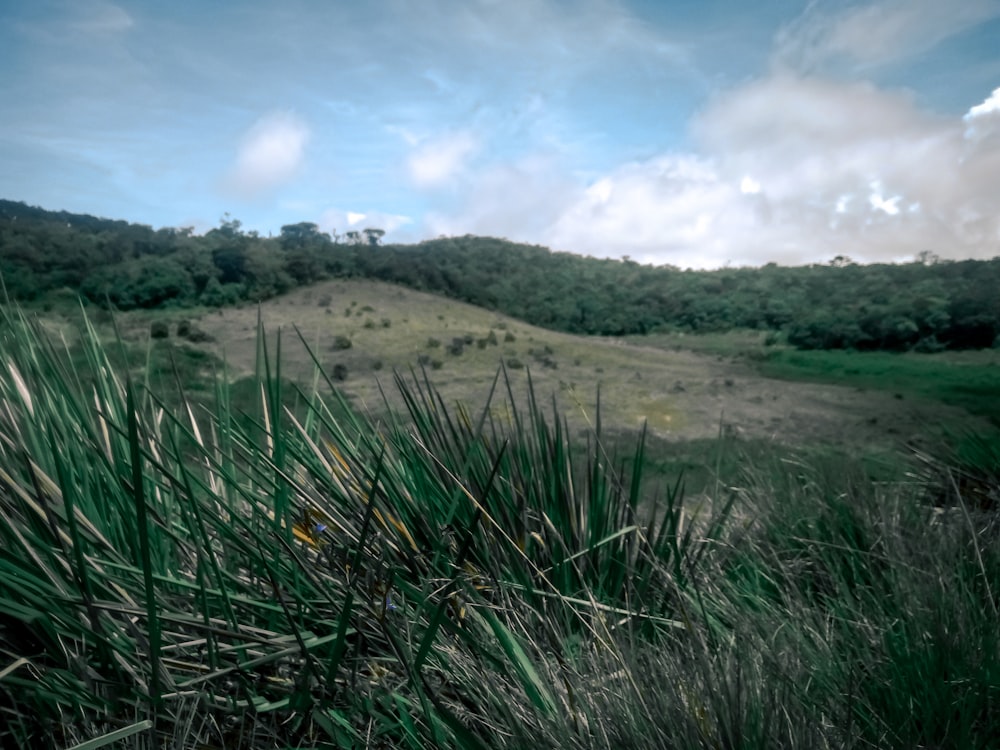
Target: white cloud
(341, 221)
(837, 168)
(519, 200)
(673, 209)
(270, 154)
(982, 122)
(875, 33)
(989, 107)
(440, 161)
(103, 18)
(877, 201)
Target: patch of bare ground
(365, 330)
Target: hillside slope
(682, 395)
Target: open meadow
(687, 391)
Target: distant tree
(229, 227)
(231, 260)
(265, 271)
(216, 294)
(147, 282)
(374, 236)
(303, 234)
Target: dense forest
(928, 305)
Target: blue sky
(698, 133)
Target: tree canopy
(926, 305)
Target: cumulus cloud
(989, 108)
(982, 122)
(797, 169)
(799, 165)
(440, 160)
(675, 208)
(270, 154)
(519, 200)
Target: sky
(695, 133)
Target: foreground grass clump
(301, 576)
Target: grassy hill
(687, 390)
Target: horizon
(926, 258)
(699, 136)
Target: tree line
(927, 305)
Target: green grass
(738, 342)
(970, 380)
(269, 568)
(966, 379)
(709, 466)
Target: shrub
(929, 345)
(341, 342)
(325, 301)
(369, 324)
(386, 322)
(197, 336)
(339, 372)
(514, 363)
(159, 329)
(433, 343)
(183, 327)
(508, 337)
(492, 338)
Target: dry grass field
(681, 394)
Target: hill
(361, 331)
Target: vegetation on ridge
(927, 306)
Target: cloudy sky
(697, 133)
